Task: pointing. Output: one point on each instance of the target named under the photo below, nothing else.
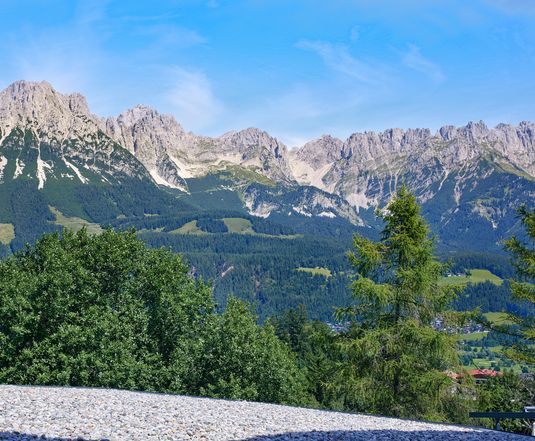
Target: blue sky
(296, 68)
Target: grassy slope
(7, 233)
(238, 225)
(498, 318)
(189, 228)
(476, 276)
(474, 336)
(325, 272)
(74, 223)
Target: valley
(269, 224)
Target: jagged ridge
(362, 171)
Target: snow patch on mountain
(19, 168)
(75, 169)
(42, 166)
(3, 163)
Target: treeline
(130, 197)
(486, 296)
(29, 214)
(27, 208)
(498, 264)
(209, 221)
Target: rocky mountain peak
(48, 136)
(78, 104)
(258, 149)
(364, 169)
(320, 151)
(251, 138)
(447, 133)
(142, 114)
(474, 131)
(151, 137)
(23, 91)
(40, 106)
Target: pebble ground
(61, 414)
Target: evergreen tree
(396, 361)
(523, 290)
(315, 345)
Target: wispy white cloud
(75, 57)
(338, 58)
(191, 98)
(414, 59)
(68, 58)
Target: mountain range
(474, 171)
(62, 165)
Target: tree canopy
(107, 311)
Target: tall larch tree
(396, 359)
(523, 289)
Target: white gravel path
(27, 413)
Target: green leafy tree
(242, 360)
(106, 311)
(396, 361)
(100, 310)
(523, 290)
(507, 393)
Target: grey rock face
(367, 167)
(151, 137)
(260, 151)
(171, 154)
(38, 105)
(50, 135)
(364, 170)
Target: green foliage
(507, 393)
(106, 311)
(30, 213)
(95, 311)
(244, 361)
(318, 354)
(396, 361)
(523, 290)
(488, 297)
(212, 225)
(261, 270)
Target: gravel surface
(60, 414)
